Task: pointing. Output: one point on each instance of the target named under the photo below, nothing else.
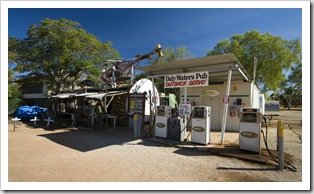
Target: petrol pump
(177, 129)
(200, 129)
(162, 118)
(177, 126)
(250, 129)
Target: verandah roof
(217, 66)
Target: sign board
(132, 104)
(211, 93)
(225, 99)
(137, 103)
(185, 109)
(186, 80)
(154, 99)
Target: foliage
(290, 92)
(171, 54)
(274, 54)
(295, 81)
(14, 94)
(60, 50)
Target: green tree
(290, 91)
(171, 54)
(295, 81)
(14, 94)
(61, 50)
(274, 54)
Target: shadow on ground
(85, 141)
(247, 169)
(192, 151)
(184, 148)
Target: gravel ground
(36, 154)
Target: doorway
(214, 103)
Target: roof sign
(195, 79)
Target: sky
(138, 30)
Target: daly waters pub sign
(186, 80)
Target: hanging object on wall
(233, 110)
(225, 99)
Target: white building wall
(239, 91)
(262, 103)
(255, 97)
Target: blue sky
(137, 30)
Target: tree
(274, 54)
(295, 82)
(290, 92)
(169, 54)
(60, 50)
(14, 94)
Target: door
(214, 103)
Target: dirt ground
(53, 154)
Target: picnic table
(35, 119)
(48, 121)
(114, 119)
(15, 120)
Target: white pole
(224, 118)
(185, 102)
(132, 74)
(252, 85)
(254, 71)
(154, 97)
(185, 95)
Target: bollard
(136, 126)
(280, 145)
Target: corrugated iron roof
(101, 95)
(217, 66)
(89, 95)
(85, 94)
(63, 95)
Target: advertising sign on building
(211, 92)
(186, 80)
(185, 109)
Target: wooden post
(104, 106)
